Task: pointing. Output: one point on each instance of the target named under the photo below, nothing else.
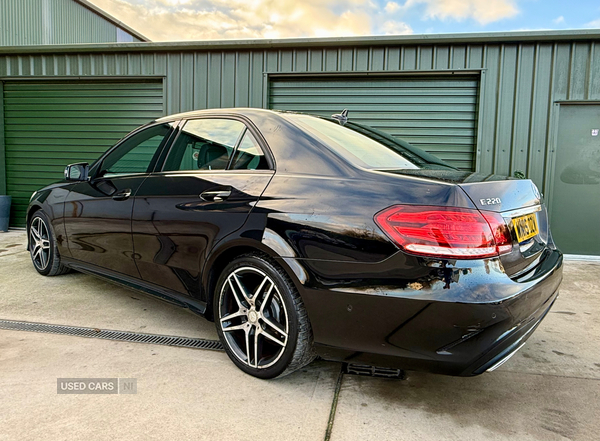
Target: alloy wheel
(253, 317)
(40, 243)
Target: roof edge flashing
(400, 40)
(105, 15)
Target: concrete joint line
(336, 394)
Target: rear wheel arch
(220, 258)
(276, 313)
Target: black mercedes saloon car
(303, 236)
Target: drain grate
(136, 337)
(374, 371)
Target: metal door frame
(553, 125)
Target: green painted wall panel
(52, 124)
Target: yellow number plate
(525, 226)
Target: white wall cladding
(519, 83)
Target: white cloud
(593, 24)
(482, 11)
(393, 27)
(391, 7)
(174, 20)
(559, 20)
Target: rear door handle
(215, 195)
(122, 195)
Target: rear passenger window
(204, 144)
(249, 155)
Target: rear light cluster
(456, 233)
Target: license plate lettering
(525, 227)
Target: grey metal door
(575, 205)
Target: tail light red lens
(450, 232)
(499, 230)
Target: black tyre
(42, 246)
(260, 318)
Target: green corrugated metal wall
(520, 82)
(51, 124)
(437, 114)
(29, 22)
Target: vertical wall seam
(532, 109)
(546, 184)
(498, 108)
(515, 119)
(294, 60)
(570, 72)
(235, 71)
(402, 55)
(194, 79)
(221, 68)
(180, 91)
(386, 58)
(590, 71)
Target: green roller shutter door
(51, 124)
(437, 114)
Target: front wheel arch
(53, 265)
(32, 210)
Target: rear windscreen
(365, 146)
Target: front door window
(137, 153)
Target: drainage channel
(107, 334)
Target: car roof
(243, 111)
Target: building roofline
(105, 15)
(422, 39)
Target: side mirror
(77, 172)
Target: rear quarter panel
(331, 218)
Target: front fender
(51, 200)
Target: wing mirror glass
(77, 172)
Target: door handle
(122, 195)
(215, 195)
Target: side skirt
(172, 297)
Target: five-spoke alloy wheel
(42, 246)
(261, 319)
(39, 242)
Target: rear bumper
(456, 325)
(512, 341)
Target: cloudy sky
(175, 20)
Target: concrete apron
(550, 390)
